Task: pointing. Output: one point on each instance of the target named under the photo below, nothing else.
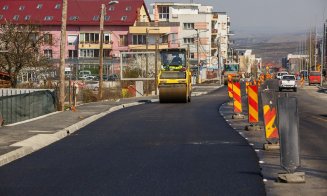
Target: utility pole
(198, 55)
(156, 67)
(315, 49)
(147, 61)
(322, 60)
(218, 63)
(310, 51)
(61, 98)
(103, 12)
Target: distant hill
(271, 48)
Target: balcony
(153, 27)
(157, 24)
(214, 31)
(214, 45)
(151, 47)
(94, 45)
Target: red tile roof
(84, 10)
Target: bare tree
(21, 45)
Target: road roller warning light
(174, 79)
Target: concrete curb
(39, 141)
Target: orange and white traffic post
(237, 97)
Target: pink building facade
(83, 26)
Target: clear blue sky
(268, 16)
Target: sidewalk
(20, 139)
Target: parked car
(314, 77)
(288, 82)
(113, 77)
(280, 74)
(93, 85)
(85, 72)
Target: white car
(288, 82)
(280, 74)
(93, 85)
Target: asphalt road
(313, 136)
(153, 149)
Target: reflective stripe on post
(237, 97)
(269, 116)
(253, 104)
(230, 89)
(246, 87)
(270, 126)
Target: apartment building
(83, 26)
(205, 32)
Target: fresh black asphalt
(153, 149)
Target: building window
(39, 6)
(123, 40)
(72, 53)
(27, 17)
(123, 18)
(106, 18)
(128, 8)
(173, 38)
(192, 56)
(164, 39)
(1, 16)
(139, 39)
(48, 38)
(188, 25)
(48, 18)
(72, 40)
(89, 53)
(189, 40)
(57, 6)
(106, 53)
(73, 18)
(96, 18)
(48, 53)
(89, 38)
(106, 38)
(163, 12)
(21, 8)
(5, 7)
(111, 8)
(16, 17)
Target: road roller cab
(174, 79)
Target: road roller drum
(173, 93)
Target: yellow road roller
(174, 78)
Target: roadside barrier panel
(237, 97)
(253, 105)
(230, 93)
(269, 104)
(288, 126)
(230, 90)
(16, 108)
(237, 101)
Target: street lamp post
(103, 13)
